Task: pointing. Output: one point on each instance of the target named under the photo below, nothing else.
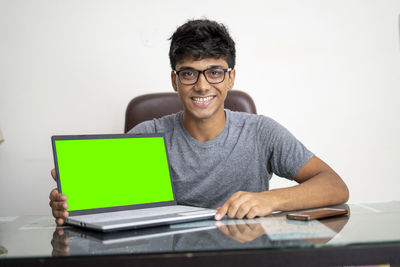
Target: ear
(231, 79)
(173, 81)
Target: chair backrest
(151, 106)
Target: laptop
(119, 181)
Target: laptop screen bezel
(111, 136)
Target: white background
(327, 70)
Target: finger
(56, 196)
(59, 221)
(53, 174)
(60, 248)
(235, 205)
(243, 228)
(53, 194)
(235, 233)
(224, 229)
(60, 231)
(254, 226)
(60, 237)
(253, 212)
(221, 212)
(59, 205)
(246, 234)
(244, 209)
(62, 214)
(233, 230)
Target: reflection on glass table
(266, 232)
(367, 226)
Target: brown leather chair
(151, 106)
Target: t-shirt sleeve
(146, 127)
(285, 154)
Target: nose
(202, 83)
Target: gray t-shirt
(242, 157)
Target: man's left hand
(246, 204)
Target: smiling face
(203, 100)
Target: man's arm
(319, 185)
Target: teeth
(202, 99)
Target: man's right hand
(57, 203)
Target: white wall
(327, 70)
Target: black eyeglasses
(213, 75)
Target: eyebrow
(190, 68)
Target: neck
(207, 129)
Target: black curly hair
(200, 39)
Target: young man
(223, 159)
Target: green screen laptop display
(110, 172)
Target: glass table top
(38, 236)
